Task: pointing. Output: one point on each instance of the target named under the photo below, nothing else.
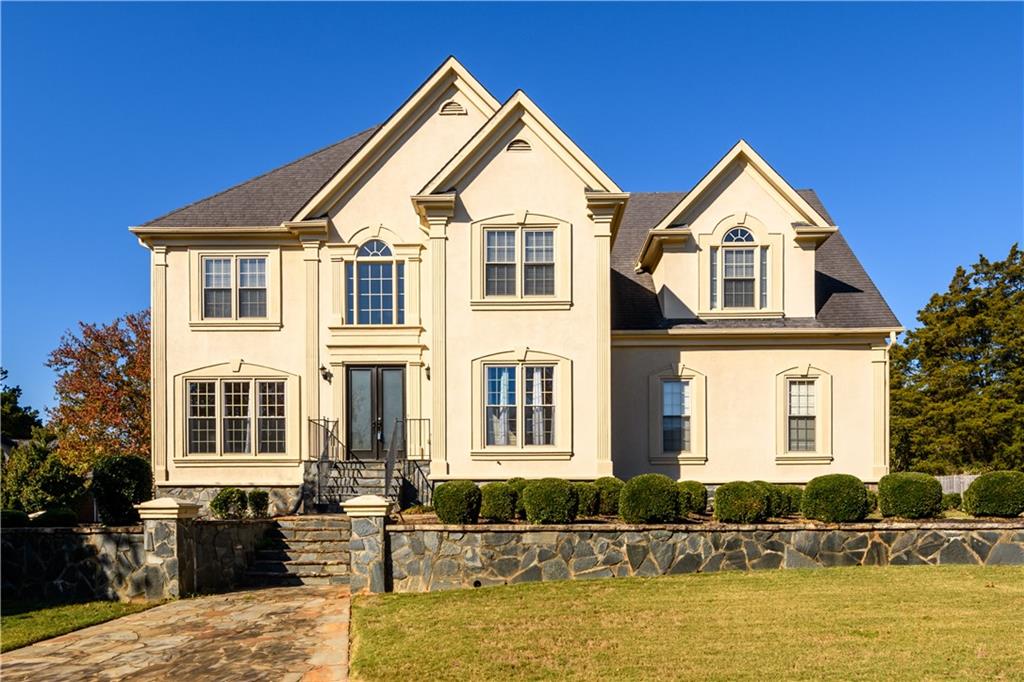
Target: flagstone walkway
(283, 634)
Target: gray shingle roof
(845, 295)
(271, 198)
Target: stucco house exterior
(463, 290)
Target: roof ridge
(262, 175)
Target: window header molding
(822, 454)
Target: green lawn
(23, 623)
(920, 622)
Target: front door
(376, 402)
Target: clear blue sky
(907, 119)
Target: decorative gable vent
(518, 146)
(452, 108)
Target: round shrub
(741, 502)
(792, 496)
(259, 504)
(588, 496)
(776, 500)
(649, 498)
(518, 486)
(997, 493)
(834, 498)
(457, 502)
(693, 498)
(13, 518)
(57, 517)
(118, 483)
(951, 501)
(229, 503)
(498, 502)
(910, 495)
(550, 500)
(609, 489)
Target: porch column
(158, 364)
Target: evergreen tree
(16, 420)
(958, 379)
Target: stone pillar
(170, 547)
(367, 548)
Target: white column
(158, 364)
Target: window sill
(807, 458)
(234, 325)
(520, 304)
(740, 313)
(494, 455)
(249, 461)
(683, 458)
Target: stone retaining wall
(422, 558)
(223, 550)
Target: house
(463, 291)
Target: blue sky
(907, 119)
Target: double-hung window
(375, 285)
(235, 417)
(519, 263)
(500, 263)
(538, 263)
(519, 394)
(675, 415)
(234, 284)
(801, 415)
(739, 272)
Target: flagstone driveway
(282, 634)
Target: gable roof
(269, 199)
(844, 293)
(520, 108)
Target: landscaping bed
(931, 622)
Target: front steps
(303, 550)
(357, 478)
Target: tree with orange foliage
(103, 390)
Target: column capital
(605, 210)
(435, 212)
(166, 509)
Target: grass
(920, 622)
(23, 623)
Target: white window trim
(561, 449)
(822, 454)
(273, 279)
(237, 371)
(521, 223)
(698, 452)
(712, 244)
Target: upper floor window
(375, 284)
(222, 289)
(744, 272)
(507, 263)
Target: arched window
(375, 285)
(744, 269)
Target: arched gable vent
(452, 108)
(518, 146)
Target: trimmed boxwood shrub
(457, 502)
(587, 496)
(550, 500)
(58, 517)
(910, 495)
(776, 500)
(498, 502)
(834, 498)
(118, 483)
(997, 493)
(792, 496)
(872, 501)
(229, 503)
(609, 490)
(259, 504)
(951, 501)
(518, 486)
(13, 518)
(649, 498)
(741, 502)
(693, 498)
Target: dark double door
(375, 403)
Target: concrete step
(299, 568)
(287, 579)
(314, 522)
(289, 554)
(309, 535)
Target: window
(375, 286)
(233, 417)
(506, 395)
(504, 265)
(500, 263)
(219, 286)
(801, 415)
(675, 416)
(744, 272)
(521, 262)
(539, 263)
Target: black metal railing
(324, 443)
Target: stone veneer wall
(223, 550)
(422, 558)
(75, 563)
(283, 499)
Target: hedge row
(233, 503)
